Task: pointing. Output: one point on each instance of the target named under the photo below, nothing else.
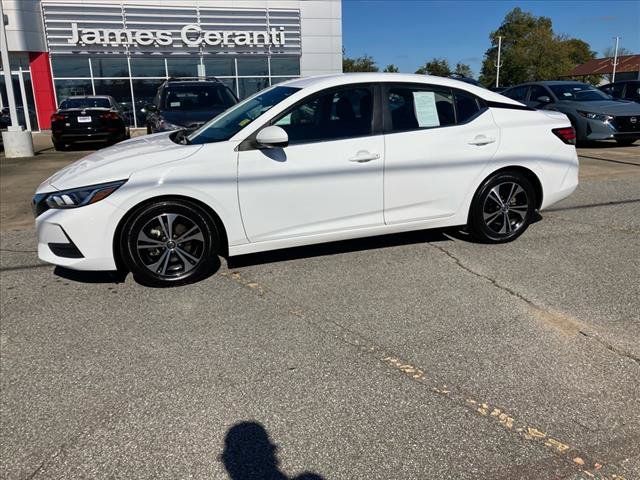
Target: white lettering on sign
(190, 35)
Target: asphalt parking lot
(419, 355)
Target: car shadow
(339, 247)
(90, 276)
(250, 454)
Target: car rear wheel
(59, 146)
(170, 243)
(502, 208)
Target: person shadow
(249, 454)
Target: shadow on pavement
(335, 248)
(90, 277)
(249, 454)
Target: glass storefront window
(183, 67)
(285, 66)
(70, 66)
(110, 66)
(69, 88)
(219, 66)
(119, 89)
(144, 92)
(147, 67)
(249, 86)
(253, 66)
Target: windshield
(180, 98)
(85, 103)
(225, 126)
(578, 92)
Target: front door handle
(482, 140)
(364, 156)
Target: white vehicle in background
(307, 161)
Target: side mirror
(272, 137)
(543, 99)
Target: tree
(359, 64)
(391, 68)
(610, 52)
(531, 51)
(463, 70)
(437, 66)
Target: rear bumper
(77, 137)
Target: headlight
(78, 197)
(596, 116)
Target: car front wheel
(502, 208)
(170, 243)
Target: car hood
(118, 162)
(609, 107)
(187, 119)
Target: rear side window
(85, 103)
(413, 108)
(467, 106)
(633, 91)
(343, 113)
(517, 93)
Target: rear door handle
(364, 156)
(482, 140)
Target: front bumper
(618, 128)
(79, 238)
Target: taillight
(566, 134)
(109, 116)
(56, 117)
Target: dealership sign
(190, 35)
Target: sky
(409, 32)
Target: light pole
(17, 142)
(498, 64)
(615, 60)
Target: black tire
(503, 196)
(625, 142)
(59, 146)
(157, 260)
(149, 131)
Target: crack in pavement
(554, 317)
(574, 459)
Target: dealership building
(127, 48)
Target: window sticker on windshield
(567, 94)
(424, 104)
(243, 122)
(174, 104)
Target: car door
(437, 142)
(328, 178)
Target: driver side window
(338, 114)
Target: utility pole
(615, 60)
(17, 142)
(498, 64)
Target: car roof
(335, 80)
(190, 82)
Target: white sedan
(307, 161)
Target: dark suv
(625, 90)
(187, 104)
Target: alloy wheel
(170, 245)
(505, 208)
